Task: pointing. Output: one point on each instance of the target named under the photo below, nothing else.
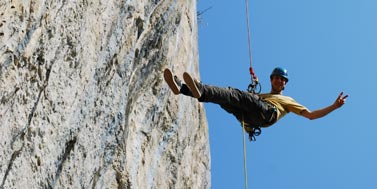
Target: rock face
(82, 100)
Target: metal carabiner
(254, 87)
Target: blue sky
(328, 46)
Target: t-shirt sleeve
(284, 104)
(292, 106)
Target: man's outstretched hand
(341, 100)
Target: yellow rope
(244, 153)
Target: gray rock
(82, 100)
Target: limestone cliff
(82, 99)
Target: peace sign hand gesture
(340, 101)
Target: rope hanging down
(254, 86)
(244, 154)
(251, 89)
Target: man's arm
(339, 102)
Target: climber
(255, 110)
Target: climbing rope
(244, 153)
(249, 40)
(254, 86)
(250, 89)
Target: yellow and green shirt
(283, 104)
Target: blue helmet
(280, 72)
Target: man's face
(278, 83)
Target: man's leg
(243, 105)
(227, 97)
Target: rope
(244, 153)
(254, 87)
(249, 41)
(254, 79)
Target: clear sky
(328, 46)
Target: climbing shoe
(192, 84)
(173, 82)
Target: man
(255, 110)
